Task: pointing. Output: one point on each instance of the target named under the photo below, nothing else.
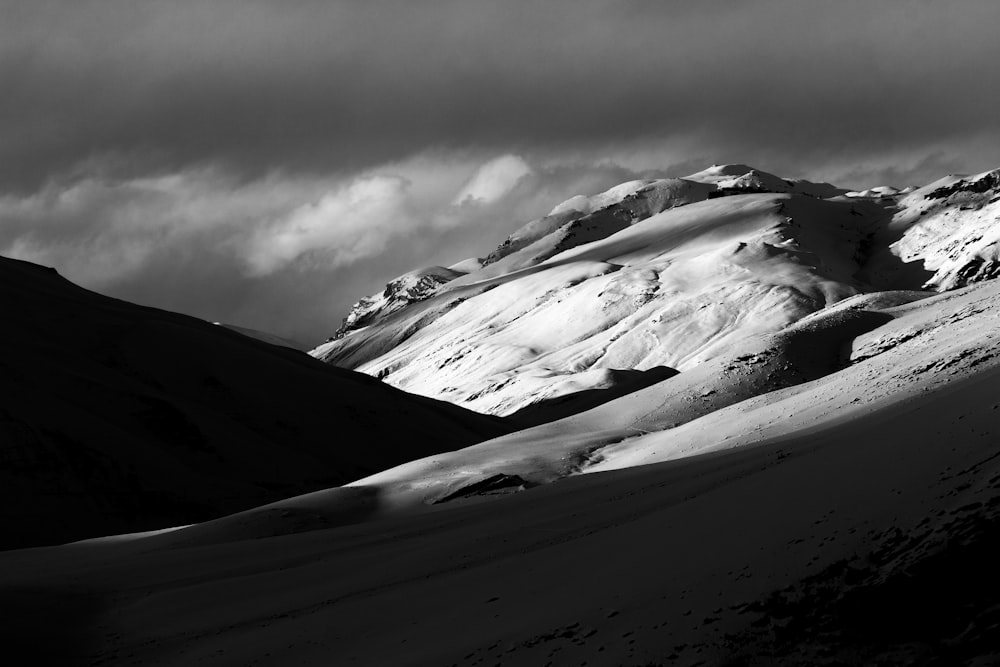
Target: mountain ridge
(820, 244)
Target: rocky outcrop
(398, 293)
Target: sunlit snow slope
(663, 274)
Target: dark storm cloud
(329, 86)
(270, 162)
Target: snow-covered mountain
(824, 495)
(761, 428)
(657, 274)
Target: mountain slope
(952, 227)
(866, 537)
(819, 484)
(670, 273)
(667, 287)
(868, 353)
(118, 417)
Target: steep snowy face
(662, 273)
(952, 226)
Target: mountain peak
(721, 170)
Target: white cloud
(494, 179)
(101, 231)
(346, 224)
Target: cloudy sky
(267, 163)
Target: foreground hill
(119, 418)
(847, 519)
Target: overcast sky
(269, 163)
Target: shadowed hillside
(119, 418)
